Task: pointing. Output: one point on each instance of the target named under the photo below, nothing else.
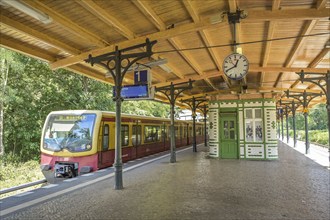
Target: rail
(26, 185)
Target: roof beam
(313, 64)
(17, 26)
(68, 24)
(195, 17)
(254, 15)
(284, 15)
(144, 7)
(189, 60)
(161, 35)
(300, 42)
(28, 51)
(271, 29)
(106, 17)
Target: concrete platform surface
(196, 187)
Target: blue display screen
(133, 91)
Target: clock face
(235, 66)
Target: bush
(315, 136)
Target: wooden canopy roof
(279, 38)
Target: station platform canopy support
(304, 98)
(316, 79)
(194, 103)
(290, 106)
(172, 92)
(204, 109)
(117, 64)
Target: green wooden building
(243, 129)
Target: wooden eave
(83, 27)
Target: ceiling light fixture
(40, 16)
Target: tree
(318, 117)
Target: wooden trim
(150, 14)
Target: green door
(228, 135)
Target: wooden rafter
(144, 7)
(254, 15)
(17, 26)
(313, 64)
(271, 29)
(68, 24)
(106, 17)
(195, 17)
(300, 42)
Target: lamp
(40, 16)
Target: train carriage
(77, 141)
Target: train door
(105, 154)
(136, 137)
(228, 136)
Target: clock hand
(231, 68)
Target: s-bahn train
(81, 141)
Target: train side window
(105, 137)
(136, 135)
(124, 135)
(156, 130)
(147, 134)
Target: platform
(196, 187)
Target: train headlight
(45, 145)
(88, 146)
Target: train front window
(71, 132)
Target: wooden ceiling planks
(87, 27)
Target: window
(136, 135)
(163, 133)
(105, 137)
(185, 131)
(151, 133)
(124, 135)
(253, 125)
(71, 132)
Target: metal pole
(328, 108)
(205, 130)
(118, 160)
(306, 132)
(282, 124)
(294, 124)
(194, 124)
(173, 154)
(306, 122)
(287, 124)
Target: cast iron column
(204, 110)
(317, 81)
(169, 92)
(293, 109)
(194, 103)
(287, 124)
(282, 126)
(113, 62)
(306, 99)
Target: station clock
(235, 66)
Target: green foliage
(17, 173)
(315, 136)
(33, 90)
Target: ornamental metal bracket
(304, 98)
(172, 92)
(194, 103)
(117, 64)
(317, 79)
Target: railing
(12, 189)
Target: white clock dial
(235, 66)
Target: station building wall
(255, 129)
